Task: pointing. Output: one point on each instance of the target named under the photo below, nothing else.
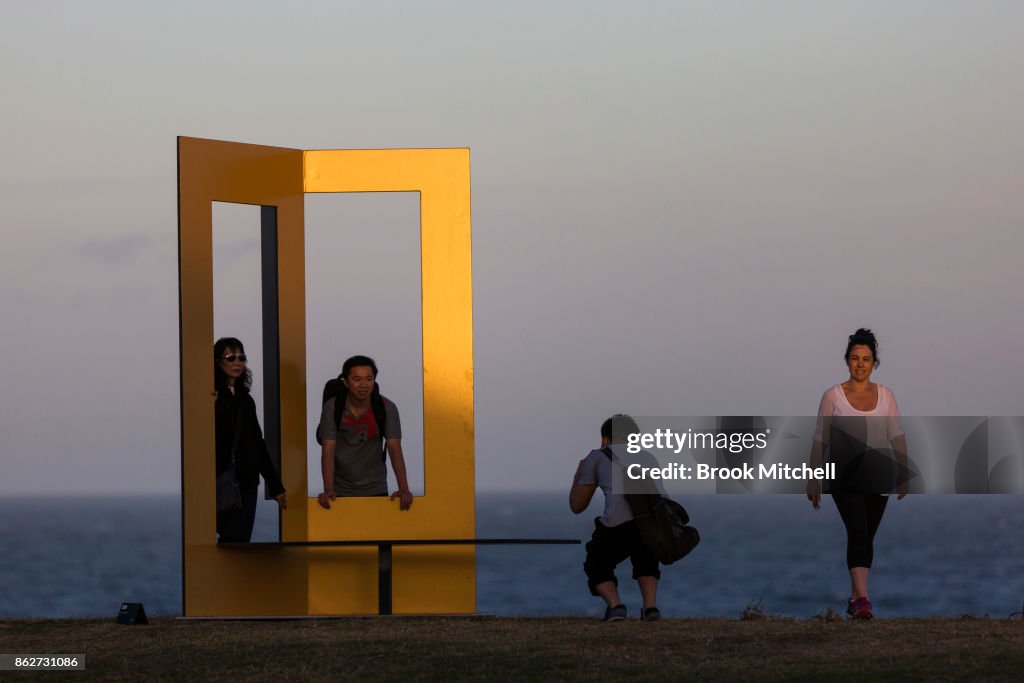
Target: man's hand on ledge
(325, 499)
(405, 499)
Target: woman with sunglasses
(859, 425)
(240, 441)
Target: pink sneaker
(860, 609)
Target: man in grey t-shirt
(353, 449)
(615, 534)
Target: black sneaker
(617, 613)
(650, 614)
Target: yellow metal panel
(222, 582)
(426, 579)
(331, 581)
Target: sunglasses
(231, 358)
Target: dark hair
(220, 380)
(620, 420)
(863, 337)
(358, 361)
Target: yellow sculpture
(301, 579)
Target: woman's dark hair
(220, 380)
(863, 337)
(358, 361)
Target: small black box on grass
(131, 614)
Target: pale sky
(678, 209)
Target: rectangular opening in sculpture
(238, 283)
(363, 297)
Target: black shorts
(609, 546)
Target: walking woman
(240, 441)
(859, 426)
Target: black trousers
(235, 526)
(609, 546)
(861, 513)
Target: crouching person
(616, 536)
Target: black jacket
(252, 458)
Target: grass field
(496, 649)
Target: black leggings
(861, 513)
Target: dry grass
(492, 649)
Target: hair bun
(863, 333)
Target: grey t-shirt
(359, 468)
(600, 470)
(597, 469)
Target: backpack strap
(330, 391)
(340, 397)
(380, 414)
(639, 503)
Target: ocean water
(934, 555)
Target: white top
(881, 432)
